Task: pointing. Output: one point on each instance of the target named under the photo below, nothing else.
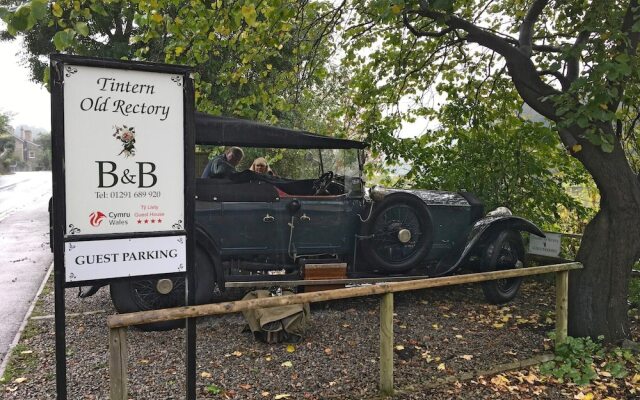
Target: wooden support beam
(562, 306)
(118, 363)
(386, 344)
(169, 314)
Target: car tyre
(143, 294)
(504, 251)
(395, 213)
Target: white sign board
(124, 151)
(103, 259)
(549, 246)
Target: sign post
(548, 246)
(123, 187)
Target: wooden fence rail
(118, 323)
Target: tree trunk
(598, 294)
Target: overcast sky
(28, 101)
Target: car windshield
(303, 163)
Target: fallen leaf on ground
(291, 348)
(205, 375)
(399, 347)
(282, 396)
(467, 357)
(237, 353)
(499, 380)
(19, 380)
(288, 364)
(441, 367)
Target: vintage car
(259, 229)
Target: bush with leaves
(582, 360)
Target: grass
(20, 364)
(38, 310)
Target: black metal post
(189, 193)
(58, 221)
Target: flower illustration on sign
(127, 135)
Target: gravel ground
(437, 332)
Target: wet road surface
(24, 242)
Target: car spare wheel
(400, 233)
(152, 294)
(504, 250)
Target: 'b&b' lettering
(108, 177)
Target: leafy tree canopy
(254, 60)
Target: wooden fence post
(562, 306)
(118, 363)
(386, 344)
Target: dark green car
(257, 230)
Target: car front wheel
(504, 251)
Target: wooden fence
(118, 324)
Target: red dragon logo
(96, 217)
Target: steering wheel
(320, 184)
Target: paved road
(24, 244)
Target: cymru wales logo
(96, 217)
(126, 135)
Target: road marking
(52, 316)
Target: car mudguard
(207, 243)
(482, 230)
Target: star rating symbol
(153, 221)
(146, 221)
(139, 221)
(159, 220)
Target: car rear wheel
(399, 233)
(504, 251)
(151, 294)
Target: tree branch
(573, 61)
(543, 48)
(630, 46)
(526, 29)
(522, 70)
(558, 75)
(420, 33)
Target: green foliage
(7, 142)
(213, 389)
(255, 60)
(497, 152)
(579, 360)
(396, 78)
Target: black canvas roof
(225, 131)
